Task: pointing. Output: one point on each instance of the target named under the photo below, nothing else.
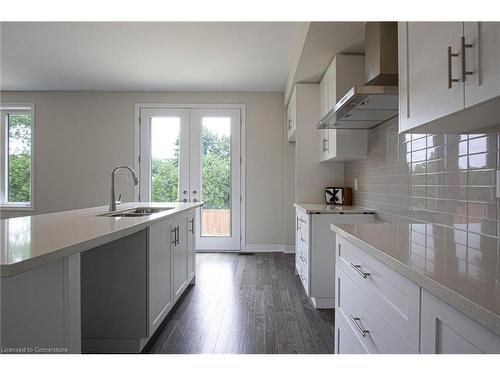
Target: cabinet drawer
(346, 341)
(303, 251)
(303, 229)
(376, 333)
(394, 295)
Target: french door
(191, 155)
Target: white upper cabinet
(446, 68)
(344, 72)
(292, 116)
(482, 59)
(425, 94)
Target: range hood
(366, 106)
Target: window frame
(6, 109)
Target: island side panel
(114, 295)
(40, 309)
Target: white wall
(82, 136)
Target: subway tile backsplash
(443, 178)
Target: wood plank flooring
(245, 304)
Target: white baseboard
(270, 249)
(264, 248)
(256, 249)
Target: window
(16, 141)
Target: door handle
(465, 72)
(450, 72)
(174, 242)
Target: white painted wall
(82, 136)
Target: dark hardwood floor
(245, 304)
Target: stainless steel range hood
(364, 107)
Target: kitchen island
(83, 281)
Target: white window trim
(14, 206)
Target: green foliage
(19, 179)
(216, 173)
(164, 180)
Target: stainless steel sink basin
(137, 212)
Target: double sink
(137, 212)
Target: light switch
(356, 184)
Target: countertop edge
(9, 270)
(349, 210)
(479, 314)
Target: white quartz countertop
(31, 241)
(318, 208)
(461, 268)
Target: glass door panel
(164, 166)
(216, 176)
(165, 137)
(215, 173)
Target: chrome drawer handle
(355, 321)
(357, 268)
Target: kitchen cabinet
(447, 331)
(314, 255)
(292, 116)
(378, 310)
(344, 72)
(449, 73)
(191, 247)
(343, 144)
(172, 263)
(179, 254)
(160, 275)
(483, 60)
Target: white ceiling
(167, 56)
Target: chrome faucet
(112, 201)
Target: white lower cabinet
(179, 254)
(160, 278)
(315, 255)
(345, 340)
(191, 247)
(380, 311)
(447, 331)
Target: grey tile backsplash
(443, 178)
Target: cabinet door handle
(298, 225)
(357, 268)
(177, 235)
(192, 225)
(465, 73)
(289, 124)
(325, 142)
(450, 73)
(174, 242)
(355, 321)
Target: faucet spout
(112, 200)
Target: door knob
(184, 192)
(194, 191)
